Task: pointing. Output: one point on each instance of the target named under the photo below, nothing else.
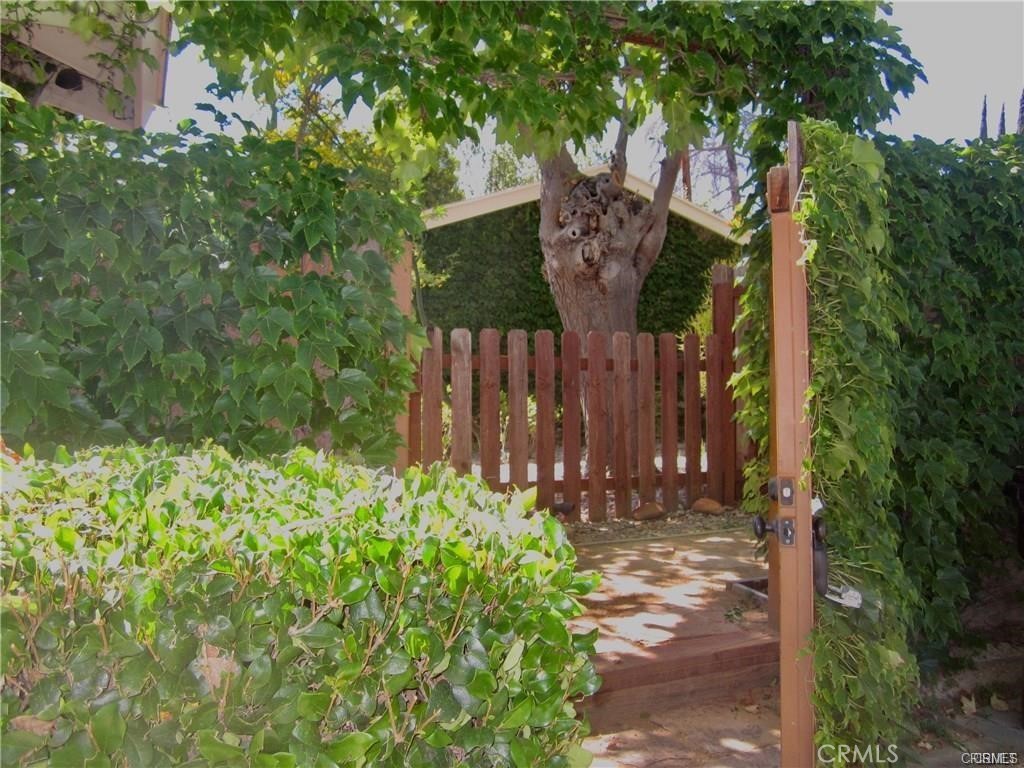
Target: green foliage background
(916, 285)
(139, 301)
(486, 273)
(166, 607)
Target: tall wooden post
(791, 590)
(401, 281)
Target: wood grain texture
(544, 350)
(518, 424)
(490, 406)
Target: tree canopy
(551, 74)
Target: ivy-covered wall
(915, 270)
(486, 273)
(153, 287)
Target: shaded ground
(665, 589)
(664, 610)
(679, 523)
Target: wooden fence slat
(645, 416)
(416, 421)
(433, 389)
(713, 412)
(490, 406)
(462, 401)
(723, 308)
(518, 426)
(669, 420)
(544, 350)
(622, 412)
(571, 421)
(596, 427)
(691, 416)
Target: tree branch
(618, 163)
(652, 240)
(666, 183)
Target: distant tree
(506, 169)
(1020, 114)
(1002, 121)
(983, 131)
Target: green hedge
(486, 273)
(915, 270)
(957, 224)
(139, 300)
(185, 608)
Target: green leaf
(323, 634)
(354, 588)
(216, 750)
(108, 727)
(351, 748)
(313, 706)
(578, 757)
(136, 344)
(518, 716)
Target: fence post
(544, 379)
(622, 443)
(645, 415)
(691, 416)
(433, 388)
(490, 409)
(596, 425)
(667, 362)
(713, 406)
(571, 421)
(518, 424)
(723, 302)
(462, 401)
(401, 281)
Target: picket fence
(472, 409)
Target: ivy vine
(916, 285)
(189, 287)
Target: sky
(968, 50)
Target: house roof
(527, 193)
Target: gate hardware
(848, 597)
(819, 553)
(788, 487)
(783, 527)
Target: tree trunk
(599, 243)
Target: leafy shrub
(154, 286)
(958, 234)
(166, 607)
(486, 273)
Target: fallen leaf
(752, 709)
(32, 724)
(968, 705)
(998, 704)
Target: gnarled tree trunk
(599, 243)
